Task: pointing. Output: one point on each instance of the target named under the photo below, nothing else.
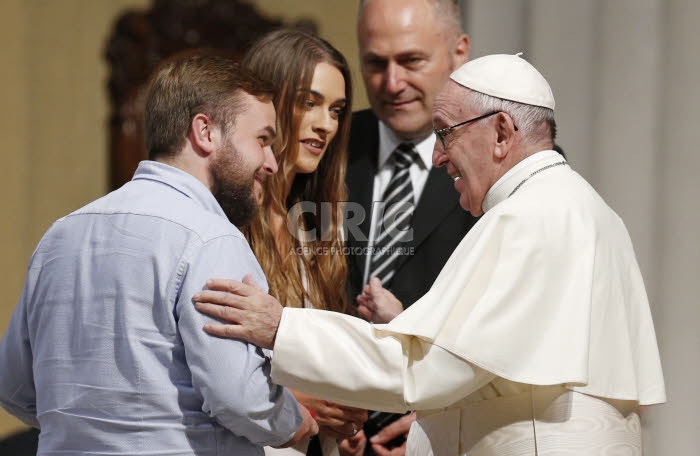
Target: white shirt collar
(388, 142)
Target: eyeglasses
(443, 132)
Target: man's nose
(439, 155)
(394, 78)
(269, 164)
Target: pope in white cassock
(536, 337)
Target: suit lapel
(360, 179)
(436, 202)
(362, 166)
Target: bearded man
(104, 352)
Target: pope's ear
(204, 135)
(505, 134)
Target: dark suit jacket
(439, 223)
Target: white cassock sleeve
(543, 290)
(346, 360)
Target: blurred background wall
(624, 74)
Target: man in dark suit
(408, 49)
(438, 223)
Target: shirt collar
(514, 176)
(181, 181)
(388, 142)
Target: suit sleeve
(346, 360)
(232, 377)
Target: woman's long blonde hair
(288, 58)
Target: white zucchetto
(505, 76)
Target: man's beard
(231, 188)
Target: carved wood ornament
(141, 39)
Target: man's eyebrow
(270, 131)
(371, 55)
(438, 122)
(401, 55)
(411, 53)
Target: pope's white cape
(545, 289)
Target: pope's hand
(253, 314)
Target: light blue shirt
(105, 351)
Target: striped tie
(398, 210)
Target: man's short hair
(196, 82)
(447, 12)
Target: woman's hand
(334, 420)
(377, 304)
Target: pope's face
(467, 153)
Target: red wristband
(311, 412)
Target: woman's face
(322, 108)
